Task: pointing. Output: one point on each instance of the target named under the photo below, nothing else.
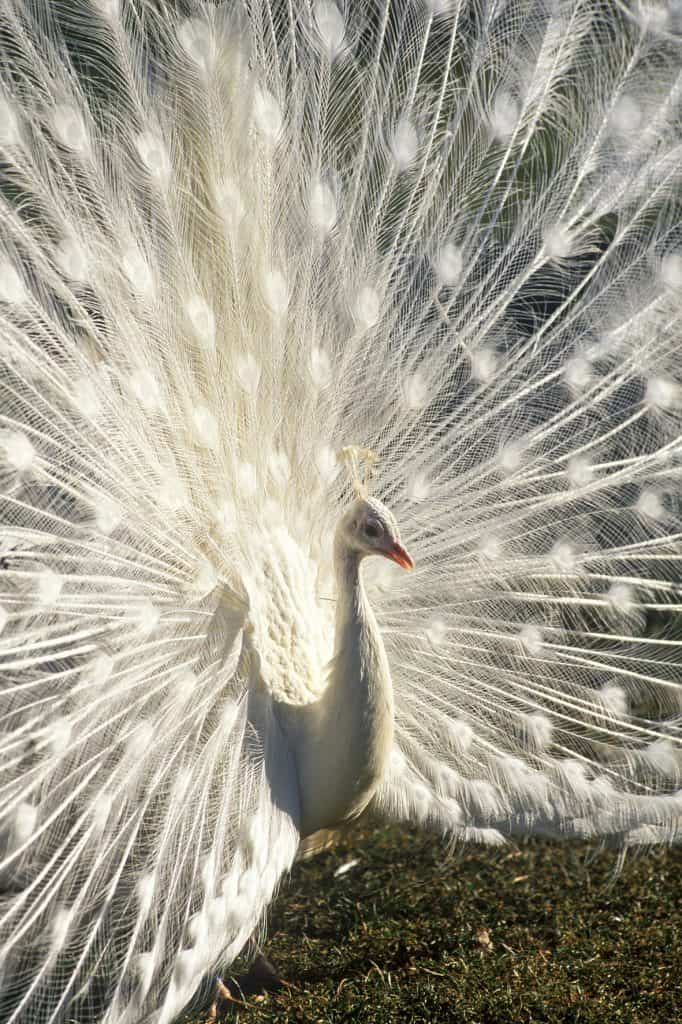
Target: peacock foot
(261, 977)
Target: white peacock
(232, 244)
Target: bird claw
(261, 977)
(221, 995)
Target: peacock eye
(373, 530)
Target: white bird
(274, 279)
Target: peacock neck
(353, 611)
(359, 657)
(344, 748)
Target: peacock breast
(292, 633)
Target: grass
(537, 933)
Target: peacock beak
(397, 553)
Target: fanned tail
(148, 802)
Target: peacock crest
(360, 463)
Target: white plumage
(236, 239)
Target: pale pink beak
(397, 553)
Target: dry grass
(540, 933)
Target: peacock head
(369, 528)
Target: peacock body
(243, 247)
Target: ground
(535, 933)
